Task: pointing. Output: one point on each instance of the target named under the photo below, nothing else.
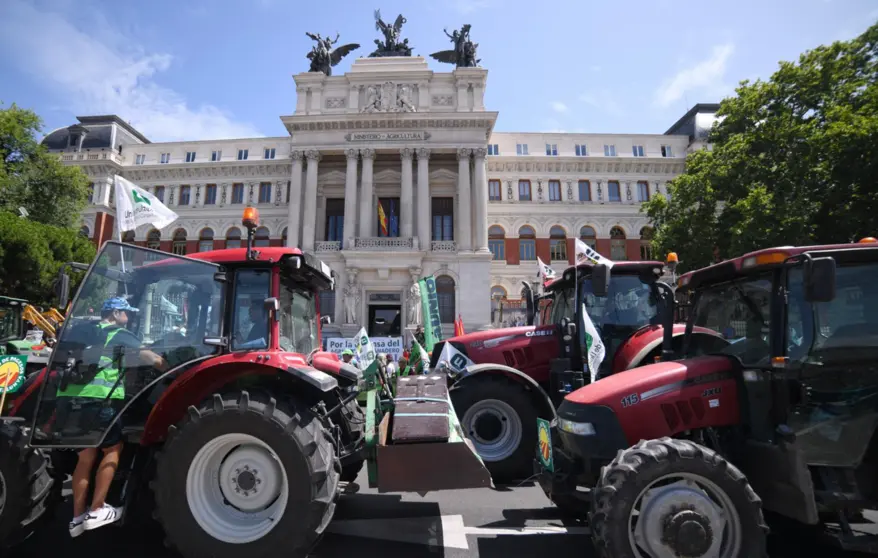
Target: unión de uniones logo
(11, 373)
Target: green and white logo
(12, 372)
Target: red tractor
(239, 440)
(521, 373)
(680, 458)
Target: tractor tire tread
(355, 417)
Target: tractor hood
(526, 348)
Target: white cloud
(603, 100)
(469, 6)
(94, 74)
(706, 74)
(559, 107)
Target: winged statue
(463, 55)
(324, 55)
(392, 45)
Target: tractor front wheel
(669, 497)
(246, 477)
(27, 489)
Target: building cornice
(390, 121)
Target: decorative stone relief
(600, 194)
(464, 153)
(250, 193)
(312, 155)
(389, 97)
(628, 191)
(171, 195)
(223, 195)
(569, 190)
(198, 194)
(539, 189)
(414, 304)
(406, 153)
(367, 153)
(277, 192)
(480, 152)
(351, 153)
(296, 155)
(351, 297)
(443, 100)
(336, 102)
(423, 153)
(509, 190)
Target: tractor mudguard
(326, 363)
(211, 375)
(647, 340)
(545, 407)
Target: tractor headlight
(578, 428)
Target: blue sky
(202, 69)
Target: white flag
(364, 350)
(135, 207)
(544, 271)
(594, 346)
(456, 360)
(585, 254)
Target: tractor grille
(518, 358)
(683, 412)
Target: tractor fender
(635, 350)
(545, 407)
(199, 382)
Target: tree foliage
(794, 162)
(32, 178)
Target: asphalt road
(486, 523)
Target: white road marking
(448, 531)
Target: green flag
(430, 310)
(418, 361)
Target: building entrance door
(385, 320)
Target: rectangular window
(527, 250)
(642, 191)
(216, 155)
(521, 149)
(554, 190)
(609, 150)
(581, 150)
(524, 190)
(637, 150)
(190, 156)
(210, 194)
(185, 192)
(666, 151)
(265, 192)
(584, 190)
(443, 218)
(494, 190)
(558, 249)
(269, 153)
(614, 194)
(552, 149)
(160, 193)
(139, 159)
(389, 226)
(237, 193)
(165, 158)
(334, 219)
(242, 154)
(493, 149)
(498, 248)
(250, 321)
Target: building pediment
(443, 175)
(333, 176)
(391, 176)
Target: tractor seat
(329, 363)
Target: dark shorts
(91, 418)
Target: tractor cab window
(135, 318)
(10, 322)
(251, 327)
(562, 306)
(298, 319)
(740, 312)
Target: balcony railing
(443, 246)
(327, 246)
(103, 155)
(384, 244)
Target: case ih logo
(539, 333)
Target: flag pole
(119, 231)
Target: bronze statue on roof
(323, 56)
(392, 45)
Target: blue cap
(118, 303)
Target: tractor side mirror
(62, 289)
(819, 279)
(325, 320)
(600, 280)
(272, 304)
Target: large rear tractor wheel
(355, 418)
(27, 489)
(499, 418)
(672, 498)
(246, 477)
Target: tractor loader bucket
(420, 446)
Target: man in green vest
(100, 398)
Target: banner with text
(430, 311)
(381, 345)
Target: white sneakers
(94, 519)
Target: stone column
(350, 200)
(405, 195)
(294, 211)
(464, 191)
(424, 199)
(480, 205)
(367, 209)
(309, 204)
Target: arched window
(646, 235)
(284, 237)
(617, 244)
(558, 243)
(154, 240)
(233, 238)
(205, 240)
(180, 242)
(261, 237)
(128, 237)
(527, 244)
(497, 241)
(588, 236)
(84, 231)
(445, 294)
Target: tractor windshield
(137, 314)
(739, 311)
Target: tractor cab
(11, 320)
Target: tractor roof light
(766, 258)
(672, 258)
(250, 219)
(868, 240)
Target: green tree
(33, 178)
(794, 161)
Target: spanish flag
(382, 220)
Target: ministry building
(391, 172)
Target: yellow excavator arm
(54, 315)
(31, 315)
